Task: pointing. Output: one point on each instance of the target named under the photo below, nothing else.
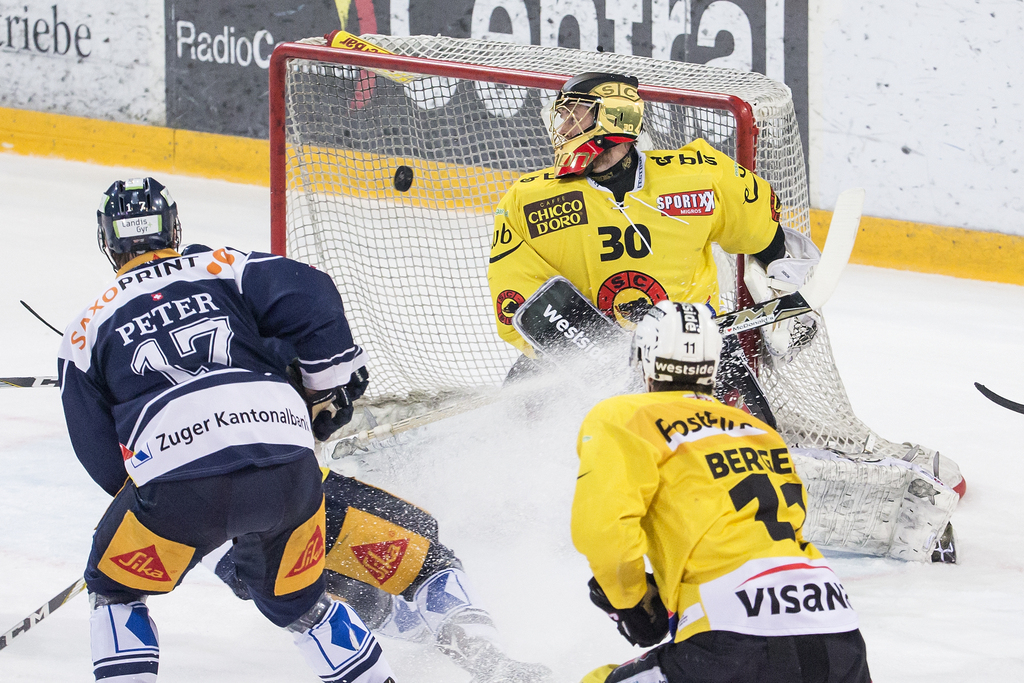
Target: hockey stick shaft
(40, 318)
(26, 382)
(348, 445)
(812, 296)
(49, 607)
(999, 400)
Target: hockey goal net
(466, 117)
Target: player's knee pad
(125, 645)
(339, 646)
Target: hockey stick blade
(51, 605)
(27, 382)
(999, 400)
(40, 318)
(842, 234)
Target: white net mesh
(411, 266)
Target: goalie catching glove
(645, 624)
(785, 339)
(331, 409)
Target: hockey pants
(389, 547)
(726, 657)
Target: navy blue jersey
(177, 370)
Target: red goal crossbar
(746, 128)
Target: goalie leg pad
(882, 506)
(124, 641)
(941, 467)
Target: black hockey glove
(644, 624)
(331, 409)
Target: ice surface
(500, 479)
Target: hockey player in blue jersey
(178, 406)
(381, 555)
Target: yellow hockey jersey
(655, 245)
(709, 494)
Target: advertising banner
(217, 52)
(83, 58)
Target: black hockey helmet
(136, 216)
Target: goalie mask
(679, 343)
(136, 216)
(593, 112)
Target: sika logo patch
(144, 563)
(377, 552)
(695, 203)
(381, 559)
(310, 555)
(555, 213)
(138, 558)
(302, 562)
(506, 305)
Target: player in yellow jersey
(710, 496)
(627, 228)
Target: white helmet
(679, 343)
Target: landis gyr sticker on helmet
(138, 226)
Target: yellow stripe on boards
(881, 242)
(923, 248)
(224, 157)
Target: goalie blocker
(874, 506)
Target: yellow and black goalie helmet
(593, 112)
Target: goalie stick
(842, 234)
(50, 606)
(999, 400)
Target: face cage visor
(572, 116)
(583, 126)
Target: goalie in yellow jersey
(627, 228)
(710, 496)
